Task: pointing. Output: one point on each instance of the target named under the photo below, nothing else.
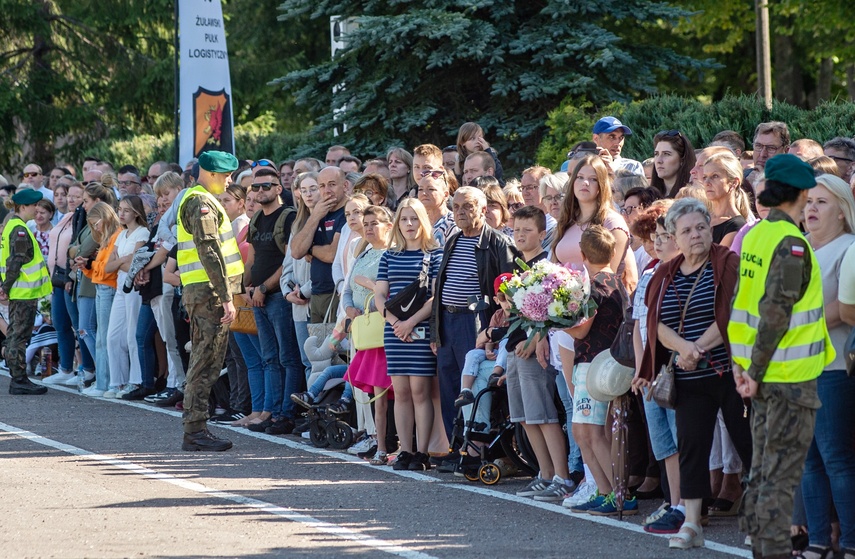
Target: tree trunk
(823, 81)
(42, 102)
(789, 83)
(850, 81)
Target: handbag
(623, 350)
(59, 277)
(664, 387)
(323, 330)
(366, 332)
(411, 299)
(244, 322)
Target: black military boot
(24, 386)
(204, 440)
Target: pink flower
(536, 306)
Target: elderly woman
(731, 208)
(706, 274)
(829, 474)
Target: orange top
(99, 276)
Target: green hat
(788, 169)
(218, 162)
(26, 197)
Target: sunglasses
(669, 133)
(265, 186)
(433, 174)
(33, 174)
(262, 163)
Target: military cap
(218, 162)
(26, 197)
(788, 169)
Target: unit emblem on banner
(212, 121)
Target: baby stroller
(502, 438)
(326, 428)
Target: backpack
(280, 237)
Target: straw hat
(608, 379)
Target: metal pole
(176, 101)
(764, 55)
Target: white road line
(263, 506)
(344, 457)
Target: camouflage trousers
(782, 429)
(22, 318)
(210, 339)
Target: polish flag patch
(329, 224)
(797, 250)
(205, 210)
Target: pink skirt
(368, 370)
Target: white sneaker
(306, 435)
(362, 445)
(74, 381)
(113, 392)
(582, 495)
(93, 392)
(60, 378)
(127, 389)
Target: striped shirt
(700, 316)
(401, 269)
(461, 279)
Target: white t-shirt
(832, 259)
(125, 243)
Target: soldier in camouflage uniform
(23, 280)
(780, 344)
(206, 250)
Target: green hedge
(572, 122)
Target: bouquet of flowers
(548, 295)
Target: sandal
(380, 459)
(846, 553)
(816, 552)
(690, 535)
(725, 507)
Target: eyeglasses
(627, 210)
(33, 174)
(127, 183)
(367, 193)
(433, 173)
(846, 159)
(263, 163)
(515, 206)
(771, 150)
(528, 187)
(550, 199)
(265, 186)
(661, 238)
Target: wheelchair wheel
(471, 474)
(489, 474)
(339, 434)
(318, 434)
(517, 448)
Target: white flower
(556, 308)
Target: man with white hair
(473, 258)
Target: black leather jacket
(495, 254)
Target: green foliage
(572, 122)
(414, 71)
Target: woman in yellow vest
(24, 280)
(780, 345)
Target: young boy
(592, 337)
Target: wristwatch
(263, 289)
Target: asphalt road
(83, 477)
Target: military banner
(206, 92)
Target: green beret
(26, 197)
(788, 169)
(218, 161)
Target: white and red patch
(797, 250)
(205, 210)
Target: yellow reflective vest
(34, 280)
(189, 265)
(806, 348)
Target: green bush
(573, 120)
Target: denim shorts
(586, 410)
(662, 427)
(531, 391)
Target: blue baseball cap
(610, 124)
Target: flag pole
(176, 104)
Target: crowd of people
(754, 333)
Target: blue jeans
(64, 333)
(458, 332)
(103, 303)
(331, 372)
(574, 460)
(302, 327)
(146, 327)
(250, 349)
(88, 323)
(829, 476)
(482, 377)
(283, 374)
(87, 362)
(662, 428)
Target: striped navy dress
(400, 269)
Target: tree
(413, 72)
